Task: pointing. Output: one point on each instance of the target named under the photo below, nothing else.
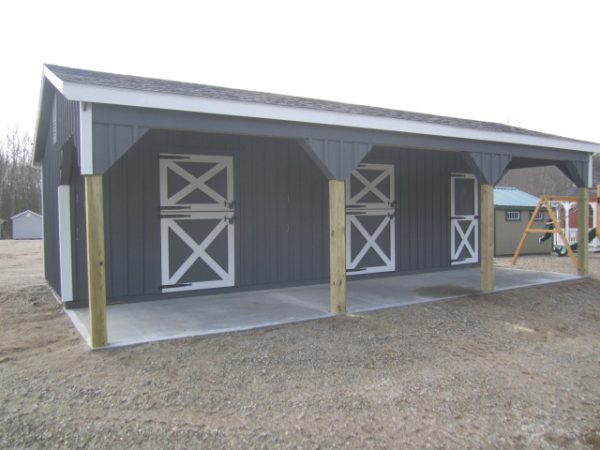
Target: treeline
(20, 182)
(545, 180)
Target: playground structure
(566, 213)
(547, 202)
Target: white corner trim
(85, 139)
(64, 238)
(174, 102)
(52, 78)
(591, 171)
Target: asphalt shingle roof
(111, 80)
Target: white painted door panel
(370, 220)
(196, 222)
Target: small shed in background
(512, 211)
(27, 225)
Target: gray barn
(192, 188)
(27, 225)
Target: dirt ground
(519, 369)
(550, 263)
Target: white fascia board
(56, 82)
(174, 102)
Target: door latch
(176, 285)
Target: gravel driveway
(515, 369)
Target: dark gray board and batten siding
(145, 118)
(422, 182)
(63, 128)
(281, 212)
(50, 182)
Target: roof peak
(25, 212)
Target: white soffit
(174, 102)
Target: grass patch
(593, 438)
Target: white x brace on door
(370, 220)
(196, 222)
(464, 219)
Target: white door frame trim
(455, 224)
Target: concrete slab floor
(136, 323)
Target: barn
(512, 211)
(27, 225)
(163, 190)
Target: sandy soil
(516, 369)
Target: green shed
(513, 209)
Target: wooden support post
(487, 238)
(583, 217)
(94, 221)
(337, 246)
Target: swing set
(545, 202)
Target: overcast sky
(534, 64)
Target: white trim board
(64, 238)
(85, 139)
(158, 100)
(52, 78)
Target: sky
(533, 64)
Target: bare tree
(538, 180)
(20, 182)
(545, 180)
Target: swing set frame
(545, 201)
